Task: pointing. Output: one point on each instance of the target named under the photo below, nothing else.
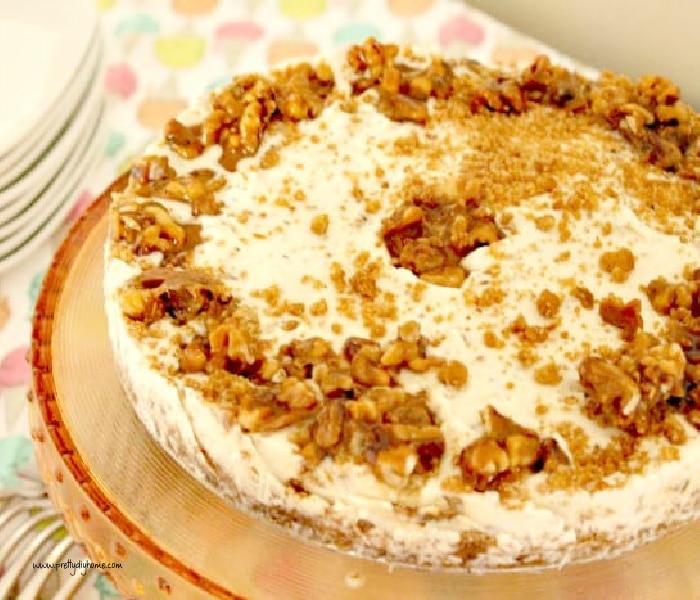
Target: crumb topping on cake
(427, 292)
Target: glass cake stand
(128, 502)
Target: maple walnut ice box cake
(421, 309)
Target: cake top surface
(424, 282)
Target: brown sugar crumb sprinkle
(319, 224)
(548, 304)
(596, 467)
(505, 453)
(528, 334)
(626, 316)
(431, 234)
(364, 280)
(152, 176)
(243, 111)
(549, 374)
(619, 264)
(147, 227)
(584, 296)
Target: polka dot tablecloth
(160, 54)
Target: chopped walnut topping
(681, 303)
(634, 389)
(650, 115)
(402, 90)
(181, 295)
(244, 110)
(365, 417)
(346, 405)
(153, 177)
(430, 235)
(624, 316)
(506, 452)
(618, 264)
(665, 296)
(148, 227)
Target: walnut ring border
(49, 404)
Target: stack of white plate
(51, 108)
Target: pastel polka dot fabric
(161, 54)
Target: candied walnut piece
(402, 90)
(277, 407)
(301, 90)
(148, 170)
(235, 343)
(181, 295)
(329, 424)
(665, 296)
(430, 235)
(184, 140)
(626, 316)
(148, 227)
(153, 177)
(193, 357)
(650, 115)
(242, 112)
(506, 452)
(553, 85)
(619, 264)
(633, 389)
(503, 96)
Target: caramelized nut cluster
(152, 176)
(552, 85)
(431, 235)
(640, 387)
(650, 115)
(244, 110)
(181, 295)
(505, 452)
(147, 227)
(681, 302)
(634, 388)
(350, 405)
(403, 90)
